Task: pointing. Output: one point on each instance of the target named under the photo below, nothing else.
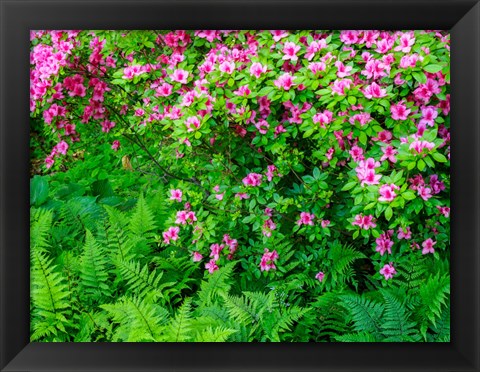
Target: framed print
(254, 185)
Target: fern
(219, 334)
(142, 220)
(40, 226)
(217, 285)
(356, 337)
(93, 271)
(138, 320)
(434, 297)
(365, 313)
(180, 327)
(50, 297)
(396, 324)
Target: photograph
(240, 186)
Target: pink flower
(285, 82)
(323, 118)
(428, 246)
(164, 90)
(257, 69)
(116, 145)
(61, 148)
(340, 86)
(268, 227)
(180, 76)
(374, 91)
(387, 192)
(171, 234)
(271, 172)
(262, 126)
(320, 275)
(325, 223)
(215, 251)
(342, 70)
(107, 125)
(399, 111)
(316, 67)
(192, 123)
(389, 153)
(363, 118)
(227, 67)
(268, 260)
(388, 271)
(197, 257)
(243, 91)
(404, 233)
(279, 34)
(357, 153)
(364, 222)
(49, 162)
(176, 195)
(429, 114)
(184, 217)
(290, 50)
(306, 219)
(406, 41)
(211, 266)
(252, 179)
(418, 146)
(424, 192)
(242, 195)
(384, 244)
(444, 210)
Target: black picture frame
(17, 17)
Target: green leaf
(388, 213)
(433, 68)
(38, 190)
(363, 138)
(349, 186)
(352, 100)
(408, 195)
(421, 165)
(439, 157)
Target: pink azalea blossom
(268, 260)
(406, 41)
(356, 153)
(363, 118)
(197, 257)
(404, 233)
(242, 195)
(252, 179)
(429, 114)
(116, 145)
(384, 244)
(49, 161)
(316, 67)
(387, 192)
(61, 148)
(257, 69)
(211, 266)
(399, 111)
(428, 246)
(227, 67)
(342, 70)
(279, 34)
(243, 91)
(374, 91)
(290, 50)
(320, 275)
(171, 234)
(306, 219)
(176, 195)
(419, 146)
(215, 250)
(268, 227)
(285, 82)
(388, 271)
(340, 86)
(323, 118)
(424, 192)
(180, 76)
(389, 153)
(192, 123)
(364, 222)
(164, 90)
(325, 223)
(262, 126)
(444, 210)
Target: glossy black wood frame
(17, 17)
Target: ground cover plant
(240, 186)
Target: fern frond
(142, 220)
(138, 320)
(396, 324)
(93, 272)
(356, 337)
(218, 334)
(217, 285)
(366, 314)
(50, 297)
(40, 225)
(180, 327)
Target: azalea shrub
(240, 185)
